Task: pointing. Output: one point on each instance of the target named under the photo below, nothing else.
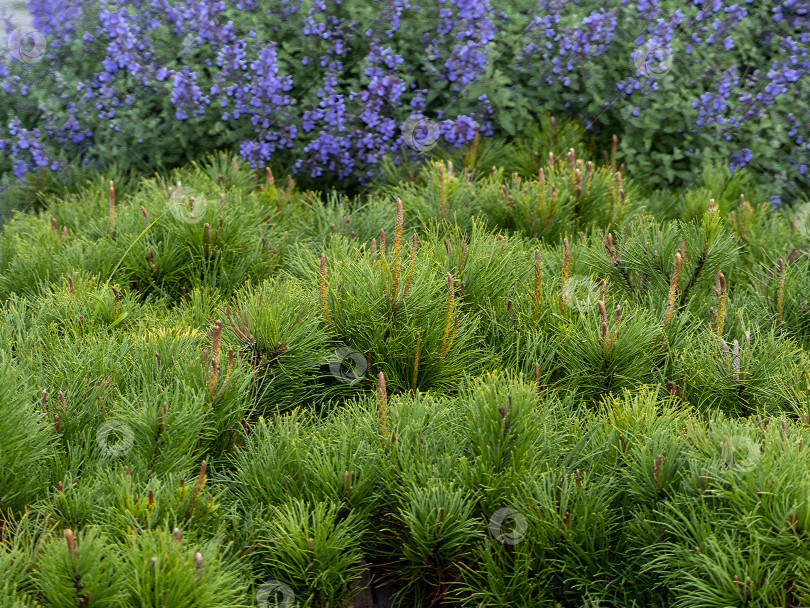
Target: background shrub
(327, 89)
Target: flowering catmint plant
(326, 88)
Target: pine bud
(416, 361)
(747, 345)
(382, 401)
(602, 311)
(448, 321)
(538, 275)
(673, 286)
(200, 478)
(721, 291)
(398, 223)
(609, 246)
(71, 544)
(537, 377)
(565, 270)
(781, 294)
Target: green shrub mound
(538, 387)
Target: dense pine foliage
(533, 384)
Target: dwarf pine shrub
(221, 389)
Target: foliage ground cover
(533, 385)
